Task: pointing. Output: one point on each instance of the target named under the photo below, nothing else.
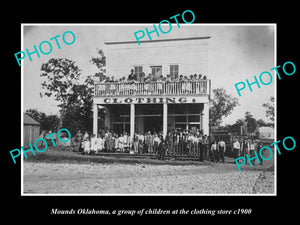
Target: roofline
(160, 40)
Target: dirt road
(116, 178)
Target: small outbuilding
(31, 130)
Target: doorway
(153, 124)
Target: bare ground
(120, 178)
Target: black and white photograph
(160, 109)
(150, 111)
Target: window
(138, 70)
(174, 70)
(156, 70)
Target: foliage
(270, 109)
(251, 123)
(62, 80)
(61, 75)
(222, 104)
(47, 122)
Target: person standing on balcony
(142, 79)
(112, 85)
(195, 84)
(159, 84)
(107, 86)
(131, 76)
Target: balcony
(199, 87)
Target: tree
(261, 123)
(270, 109)
(221, 105)
(61, 76)
(251, 123)
(47, 122)
(79, 113)
(100, 62)
(236, 127)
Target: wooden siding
(31, 133)
(190, 55)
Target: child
(99, 143)
(156, 142)
(93, 143)
(116, 142)
(87, 146)
(135, 143)
(121, 143)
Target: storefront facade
(156, 106)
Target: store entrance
(153, 124)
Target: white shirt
(236, 145)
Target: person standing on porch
(149, 142)
(180, 143)
(170, 143)
(156, 142)
(141, 142)
(121, 143)
(135, 143)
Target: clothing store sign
(150, 100)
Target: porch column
(132, 120)
(95, 119)
(107, 119)
(205, 119)
(165, 119)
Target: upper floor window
(156, 70)
(138, 70)
(174, 70)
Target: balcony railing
(152, 88)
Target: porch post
(95, 119)
(132, 120)
(165, 119)
(205, 118)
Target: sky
(236, 52)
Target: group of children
(152, 83)
(176, 143)
(107, 141)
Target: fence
(152, 88)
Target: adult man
(141, 139)
(169, 139)
(236, 148)
(222, 149)
(79, 137)
(205, 147)
(252, 149)
(245, 149)
(131, 76)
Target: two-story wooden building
(157, 105)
